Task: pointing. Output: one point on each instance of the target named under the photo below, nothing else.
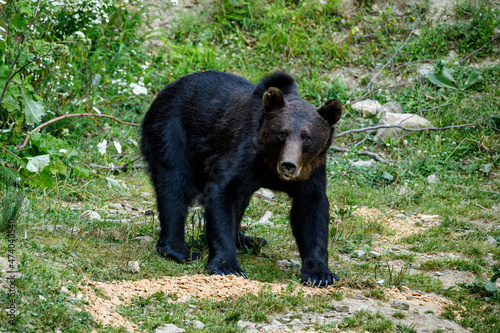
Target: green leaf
(96, 80)
(37, 163)
(9, 103)
(440, 80)
(33, 111)
(387, 176)
(447, 73)
(490, 286)
(474, 77)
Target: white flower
(102, 147)
(64, 151)
(405, 142)
(138, 89)
(118, 146)
(65, 131)
(81, 34)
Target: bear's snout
(289, 163)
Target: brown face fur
(296, 135)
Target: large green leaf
(474, 77)
(440, 80)
(33, 110)
(37, 163)
(9, 103)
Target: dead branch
(123, 167)
(394, 55)
(26, 140)
(479, 49)
(374, 156)
(372, 128)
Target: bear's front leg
(309, 218)
(220, 216)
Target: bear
(223, 137)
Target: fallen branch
(123, 167)
(370, 154)
(372, 128)
(26, 140)
(479, 49)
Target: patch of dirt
(217, 288)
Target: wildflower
(64, 151)
(102, 147)
(80, 34)
(342, 21)
(138, 89)
(65, 131)
(118, 146)
(281, 55)
(379, 28)
(405, 142)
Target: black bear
(225, 137)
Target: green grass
(314, 42)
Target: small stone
(391, 107)
(197, 324)
(41, 298)
(367, 107)
(374, 254)
(295, 262)
(191, 306)
(439, 274)
(264, 220)
(64, 290)
(491, 240)
(264, 193)
(90, 215)
(409, 297)
(360, 297)
(295, 322)
(169, 328)
(282, 263)
(133, 266)
(395, 248)
(359, 253)
(399, 304)
(432, 179)
(144, 239)
(341, 308)
(362, 163)
(242, 324)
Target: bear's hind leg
(174, 192)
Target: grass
(315, 42)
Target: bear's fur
(224, 137)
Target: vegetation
(96, 58)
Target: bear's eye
(282, 135)
(307, 139)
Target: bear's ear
(331, 111)
(273, 100)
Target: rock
(197, 324)
(192, 306)
(360, 297)
(438, 274)
(341, 308)
(374, 254)
(270, 328)
(276, 322)
(64, 290)
(359, 253)
(399, 304)
(491, 240)
(144, 239)
(242, 324)
(390, 107)
(367, 107)
(295, 262)
(295, 322)
(90, 215)
(264, 220)
(264, 193)
(425, 69)
(133, 266)
(362, 163)
(41, 298)
(432, 179)
(402, 119)
(282, 263)
(169, 328)
(395, 248)
(409, 297)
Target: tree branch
(19, 147)
(372, 128)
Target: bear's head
(296, 135)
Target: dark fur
(209, 132)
